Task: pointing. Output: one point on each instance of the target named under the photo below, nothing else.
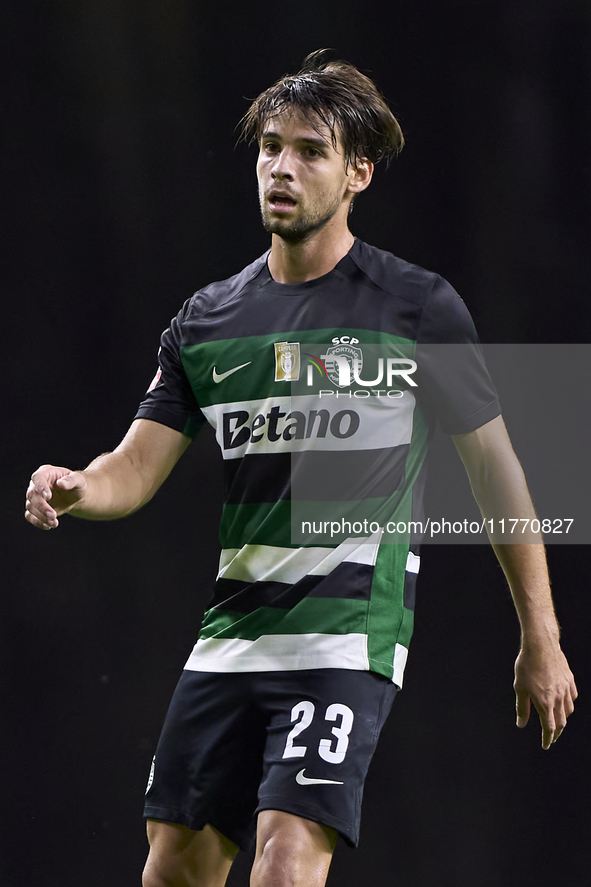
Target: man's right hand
(114, 484)
(52, 492)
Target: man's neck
(298, 262)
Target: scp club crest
(287, 361)
(353, 355)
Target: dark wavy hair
(338, 95)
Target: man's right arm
(114, 485)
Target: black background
(123, 193)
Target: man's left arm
(542, 673)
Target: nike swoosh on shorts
(305, 780)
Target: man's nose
(281, 169)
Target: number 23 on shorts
(337, 712)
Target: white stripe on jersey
(280, 652)
(269, 563)
(288, 652)
(375, 422)
(400, 657)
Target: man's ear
(360, 175)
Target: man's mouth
(280, 201)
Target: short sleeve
(454, 383)
(170, 399)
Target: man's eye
(312, 152)
(271, 147)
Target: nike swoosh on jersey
(305, 780)
(219, 377)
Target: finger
(38, 491)
(40, 484)
(69, 481)
(72, 481)
(569, 701)
(46, 477)
(547, 721)
(41, 524)
(560, 717)
(523, 707)
(41, 511)
(548, 732)
(40, 508)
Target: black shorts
(298, 741)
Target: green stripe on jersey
(256, 378)
(389, 621)
(386, 609)
(318, 615)
(265, 524)
(285, 523)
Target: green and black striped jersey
(323, 396)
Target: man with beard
(276, 716)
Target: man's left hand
(543, 676)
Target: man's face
(303, 182)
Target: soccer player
(276, 716)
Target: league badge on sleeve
(155, 380)
(287, 361)
(151, 776)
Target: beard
(302, 228)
